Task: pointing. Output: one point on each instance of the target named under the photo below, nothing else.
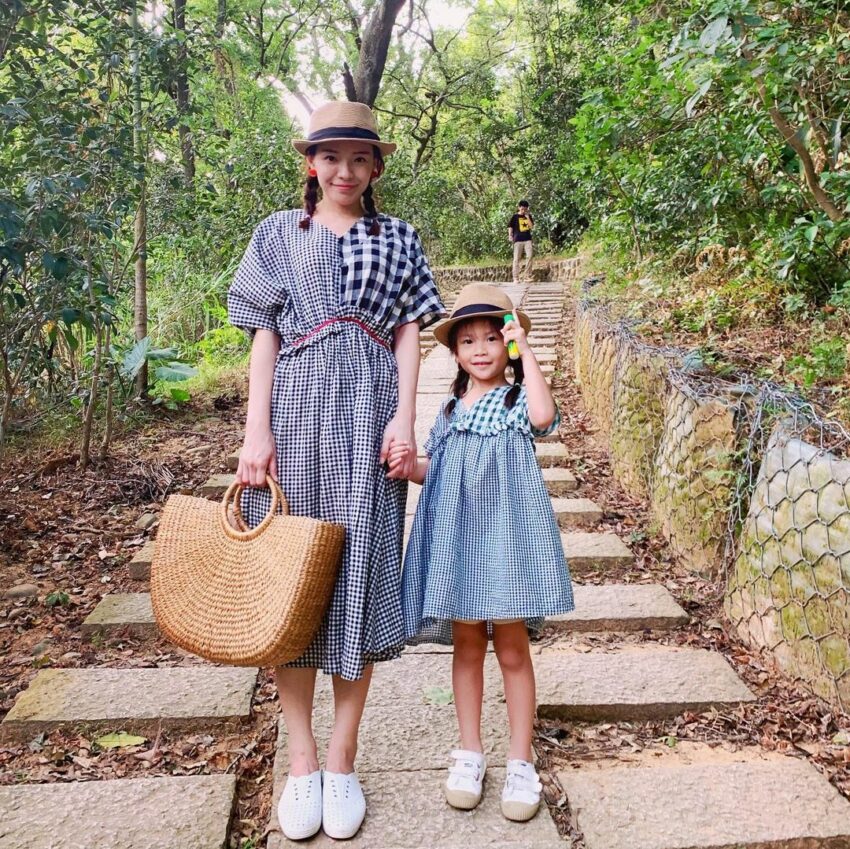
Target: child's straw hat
(342, 120)
(476, 301)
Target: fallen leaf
(438, 696)
(119, 740)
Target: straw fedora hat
(342, 120)
(479, 301)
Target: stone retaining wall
(453, 277)
(684, 443)
(789, 589)
(666, 443)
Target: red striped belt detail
(356, 321)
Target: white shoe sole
(519, 811)
(463, 800)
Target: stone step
(620, 607)
(587, 552)
(559, 481)
(409, 763)
(140, 565)
(633, 684)
(231, 462)
(392, 823)
(134, 700)
(216, 486)
(747, 801)
(552, 454)
(189, 812)
(121, 613)
(552, 437)
(576, 512)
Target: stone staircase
(711, 799)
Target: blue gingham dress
(333, 393)
(485, 544)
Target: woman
(335, 295)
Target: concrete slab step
(216, 486)
(636, 683)
(620, 607)
(421, 739)
(407, 810)
(135, 700)
(559, 481)
(121, 613)
(587, 552)
(140, 565)
(755, 803)
(552, 454)
(576, 512)
(189, 812)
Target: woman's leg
(510, 641)
(295, 687)
(349, 701)
(470, 649)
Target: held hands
(398, 454)
(513, 332)
(399, 432)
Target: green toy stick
(513, 351)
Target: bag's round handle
(243, 532)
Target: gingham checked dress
(485, 544)
(334, 301)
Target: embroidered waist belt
(351, 320)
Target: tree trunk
(88, 419)
(221, 19)
(186, 146)
(364, 83)
(140, 305)
(110, 390)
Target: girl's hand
(513, 332)
(400, 430)
(258, 456)
(399, 452)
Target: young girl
(485, 554)
(334, 295)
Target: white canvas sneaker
(343, 805)
(466, 779)
(521, 793)
(299, 810)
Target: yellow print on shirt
(524, 223)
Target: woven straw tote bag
(245, 597)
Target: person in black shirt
(519, 232)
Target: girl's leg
(510, 641)
(470, 649)
(349, 701)
(295, 687)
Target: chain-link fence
(748, 483)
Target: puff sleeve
(422, 302)
(258, 292)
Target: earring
(311, 172)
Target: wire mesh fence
(749, 484)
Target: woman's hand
(258, 456)
(400, 430)
(513, 332)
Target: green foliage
(826, 361)
(57, 598)
(664, 130)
